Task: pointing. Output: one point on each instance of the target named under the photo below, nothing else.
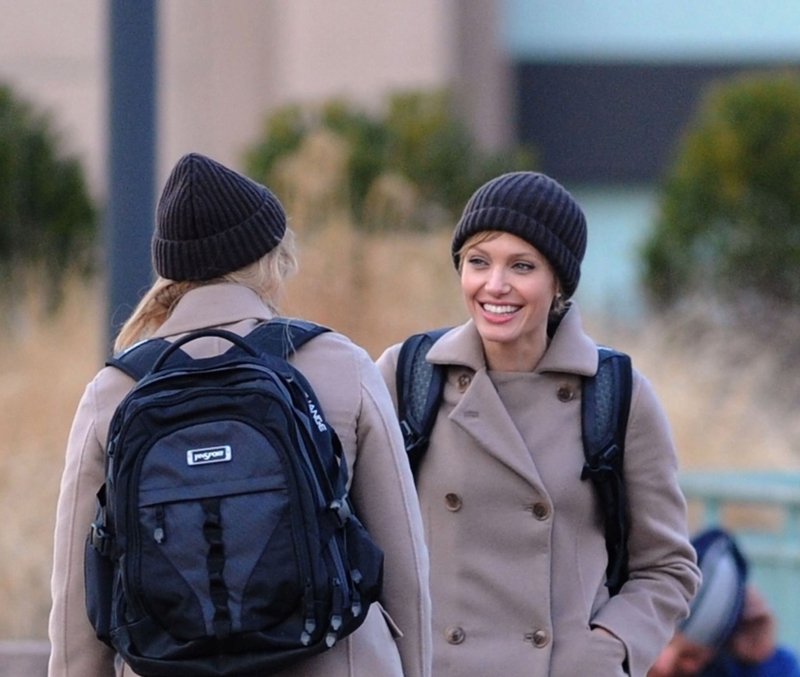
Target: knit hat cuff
(215, 255)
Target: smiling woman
(509, 288)
(518, 552)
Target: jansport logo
(209, 455)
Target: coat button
(453, 502)
(455, 635)
(565, 393)
(463, 382)
(540, 511)
(540, 639)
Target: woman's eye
(476, 261)
(524, 265)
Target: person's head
(518, 247)
(714, 612)
(212, 225)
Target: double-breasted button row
(455, 634)
(539, 638)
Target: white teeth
(498, 310)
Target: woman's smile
(495, 312)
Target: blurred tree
(729, 219)
(47, 219)
(405, 169)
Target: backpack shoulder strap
(281, 337)
(419, 391)
(284, 336)
(137, 360)
(605, 406)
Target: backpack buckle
(100, 539)
(341, 511)
(601, 467)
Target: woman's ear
(559, 303)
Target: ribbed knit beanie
(716, 608)
(537, 209)
(212, 220)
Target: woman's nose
(497, 283)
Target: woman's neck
(514, 357)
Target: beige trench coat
(515, 539)
(356, 403)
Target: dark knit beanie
(212, 220)
(716, 608)
(537, 209)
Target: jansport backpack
(605, 405)
(225, 543)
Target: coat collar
(213, 305)
(570, 350)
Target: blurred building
(223, 65)
(600, 89)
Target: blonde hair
(266, 277)
(559, 304)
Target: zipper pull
(336, 614)
(159, 533)
(310, 624)
(355, 607)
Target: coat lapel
(482, 415)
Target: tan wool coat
(515, 537)
(395, 639)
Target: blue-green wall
(618, 220)
(749, 30)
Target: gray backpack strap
(419, 391)
(605, 406)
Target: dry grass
(44, 365)
(730, 395)
(377, 290)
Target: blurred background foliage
(411, 167)
(48, 221)
(729, 222)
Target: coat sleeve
(383, 492)
(663, 573)
(75, 650)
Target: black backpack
(605, 405)
(225, 543)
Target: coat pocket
(610, 650)
(590, 652)
(393, 629)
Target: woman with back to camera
(222, 250)
(518, 555)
